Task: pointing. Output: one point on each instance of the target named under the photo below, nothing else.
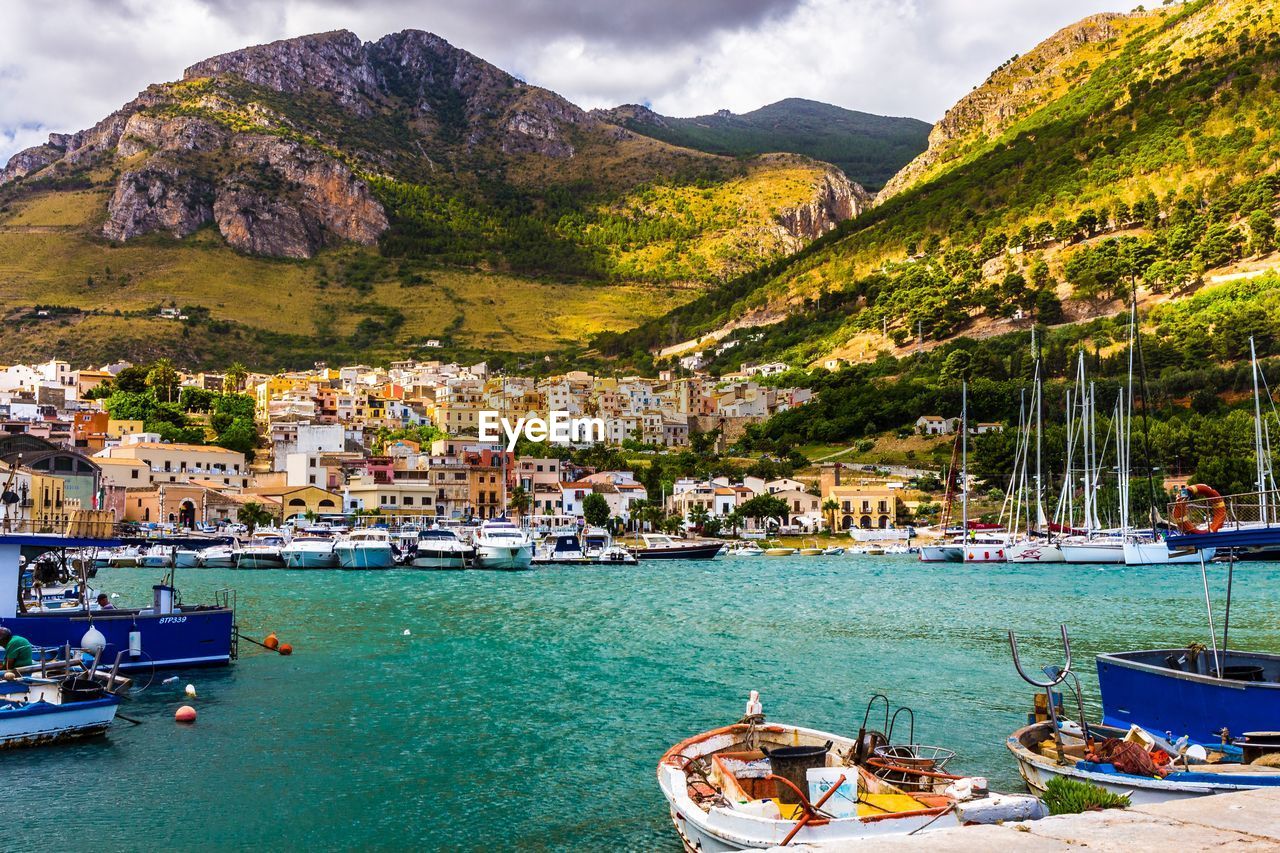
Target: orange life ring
(1217, 518)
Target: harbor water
(528, 710)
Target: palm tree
(734, 519)
(162, 378)
(235, 376)
(698, 515)
(254, 515)
(518, 501)
(829, 508)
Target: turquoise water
(528, 710)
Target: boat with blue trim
(169, 633)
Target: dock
(1249, 820)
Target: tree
(162, 379)
(595, 509)
(519, 501)
(698, 515)
(132, 379)
(241, 435)
(254, 515)
(829, 509)
(234, 378)
(765, 506)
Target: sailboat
(1035, 546)
(1092, 544)
(952, 550)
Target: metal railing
(1244, 510)
(79, 524)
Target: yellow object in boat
(868, 806)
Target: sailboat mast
(964, 461)
(1038, 401)
(1258, 444)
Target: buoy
(185, 714)
(93, 641)
(406, 633)
(285, 649)
(190, 691)
(272, 641)
(115, 595)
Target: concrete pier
(1247, 821)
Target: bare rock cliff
(1011, 92)
(836, 199)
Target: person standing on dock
(17, 651)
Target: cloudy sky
(66, 64)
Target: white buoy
(753, 704)
(115, 595)
(93, 641)
(406, 632)
(191, 690)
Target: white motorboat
(186, 558)
(125, 557)
(156, 557)
(366, 548)
(615, 555)
(441, 548)
(760, 785)
(503, 546)
(218, 557)
(745, 549)
(945, 552)
(598, 546)
(309, 552)
(262, 551)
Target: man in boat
(17, 651)
(104, 603)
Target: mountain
(1128, 154)
(386, 192)
(868, 148)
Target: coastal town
(401, 443)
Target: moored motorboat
(779, 551)
(502, 546)
(218, 557)
(264, 550)
(307, 551)
(441, 548)
(833, 551)
(744, 549)
(946, 552)
(1155, 552)
(365, 548)
(658, 546)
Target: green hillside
(323, 197)
(868, 148)
(1126, 153)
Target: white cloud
(64, 66)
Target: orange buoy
(272, 641)
(185, 714)
(285, 649)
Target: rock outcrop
(160, 196)
(836, 199)
(1010, 93)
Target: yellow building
(118, 429)
(182, 463)
(300, 500)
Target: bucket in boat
(793, 764)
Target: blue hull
(186, 639)
(1161, 691)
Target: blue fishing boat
(167, 634)
(36, 711)
(1209, 692)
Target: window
(311, 478)
(134, 473)
(408, 500)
